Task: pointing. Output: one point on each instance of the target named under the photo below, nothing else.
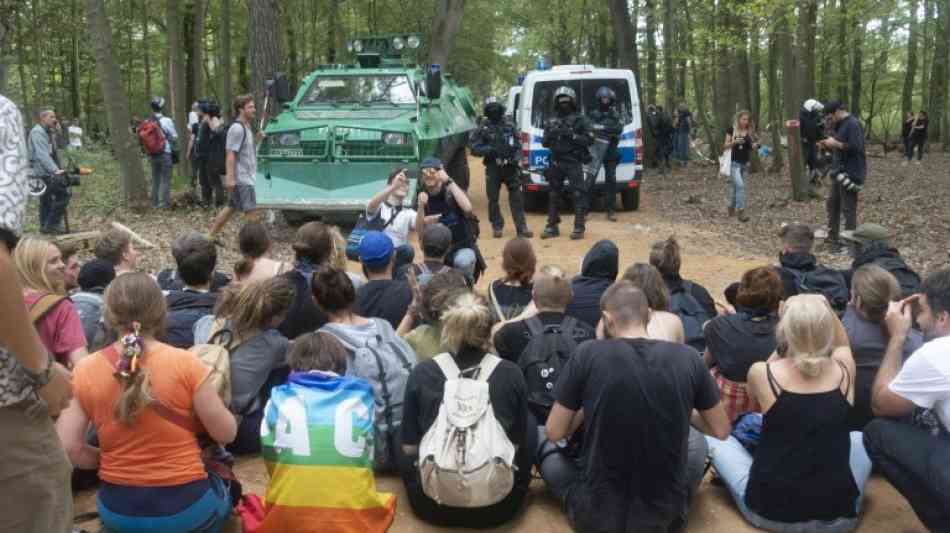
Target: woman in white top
(663, 324)
(254, 243)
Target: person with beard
(496, 142)
(607, 124)
(568, 136)
(847, 144)
(599, 269)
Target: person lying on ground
(422, 325)
(255, 243)
(146, 400)
(598, 270)
(509, 295)
(382, 296)
(196, 257)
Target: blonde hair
(258, 303)
(30, 257)
(466, 322)
(552, 289)
(337, 249)
(875, 288)
(807, 333)
(739, 114)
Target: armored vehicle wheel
(458, 169)
(630, 199)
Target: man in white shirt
(399, 221)
(915, 457)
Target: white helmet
(811, 105)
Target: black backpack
(693, 315)
(543, 359)
(217, 149)
(907, 278)
(825, 281)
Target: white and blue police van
(536, 106)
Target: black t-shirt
(851, 159)
(737, 341)
(303, 316)
(384, 298)
(585, 306)
(637, 396)
(453, 217)
(919, 132)
(696, 290)
(513, 338)
(741, 152)
(511, 298)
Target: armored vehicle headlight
(358, 46)
(349, 46)
(413, 41)
(288, 139)
(398, 43)
(395, 138)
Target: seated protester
(258, 354)
(422, 325)
(467, 324)
(255, 243)
(873, 248)
(40, 267)
(196, 257)
(662, 324)
(116, 247)
(382, 296)
(915, 458)
(598, 271)
(398, 220)
(640, 461)
(146, 400)
(688, 300)
(338, 259)
(171, 279)
(508, 296)
(374, 353)
(872, 291)
(312, 246)
(734, 342)
(71, 272)
(442, 200)
(551, 294)
(323, 486)
(808, 473)
(801, 273)
(436, 241)
(93, 279)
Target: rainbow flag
(317, 441)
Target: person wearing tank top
(808, 472)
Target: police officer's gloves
(843, 180)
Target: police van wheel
(630, 199)
(458, 169)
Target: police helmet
(565, 92)
(606, 92)
(811, 105)
(493, 108)
(157, 103)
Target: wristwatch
(41, 378)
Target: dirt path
(708, 258)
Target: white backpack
(465, 459)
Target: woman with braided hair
(147, 401)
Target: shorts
(243, 198)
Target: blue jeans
(739, 173)
(464, 260)
(206, 515)
(733, 462)
(161, 180)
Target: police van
(536, 106)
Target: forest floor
(690, 204)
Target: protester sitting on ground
(255, 243)
(171, 280)
(688, 300)
(873, 247)
(116, 247)
(40, 271)
(467, 324)
(436, 240)
(508, 296)
(551, 294)
(801, 273)
(661, 324)
(146, 400)
(338, 259)
(374, 353)
(805, 450)
(312, 246)
(94, 277)
(324, 485)
(915, 457)
(598, 270)
(382, 296)
(734, 342)
(422, 325)
(71, 273)
(398, 220)
(872, 291)
(196, 257)
(635, 397)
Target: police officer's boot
(611, 216)
(550, 232)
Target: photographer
(44, 163)
(209, 168)
(850, 169)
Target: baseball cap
(430, 162)
(436, 240)
(870, 231)
(833, 106)
(376, 248)
(97, 273)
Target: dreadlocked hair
(258, 303)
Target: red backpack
(152, 137)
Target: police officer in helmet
(496, 141)
(607, 125)
(568, 136)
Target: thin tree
(177, 101)
(938, 76)
(226, 57)
(629, 58)
(791, 69)
(446, 24)
(857, 64)
(650, 39)
(910, 73)
(265, 53)
(774, 106)
(669, 80)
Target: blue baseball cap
(430, 162)
(376, 248)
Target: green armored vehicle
(333, 145)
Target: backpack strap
(447, 363)
(534, 325)
(44, 305)
(488, 365)
(494, 301)
(567, 327)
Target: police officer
(607, 126)
(496, 141)
(44, 165)
(568, 136)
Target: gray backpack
(384, 360)
(89, 307)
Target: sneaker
(525, 233)
(550, 232)
(497, 233)
(577, 234)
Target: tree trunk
(910, 73)
(842, 52)
(651, 82)
(755, 85)
(332, 24)
(177, 106)
(774, 111)
(146, 56)
(38, 67)
(928, 48)
(74, 100)
(7, 22)
(292, 55)
(857, 64)
(938, 78)
(124, 145)
(445, 25)
(21, 65)
(699, 87)
(226, 60)
(628, 57)
(264, 36)
(668, 75)
(198, 48)
(807, 28)
(791, 69)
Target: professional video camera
(70, 177)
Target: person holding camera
(44, 163)
(850, 169)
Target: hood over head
(602, 261)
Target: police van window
(542, 104)
(359, 90)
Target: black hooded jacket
(598, 271)
(185, 307)
(881, 254)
